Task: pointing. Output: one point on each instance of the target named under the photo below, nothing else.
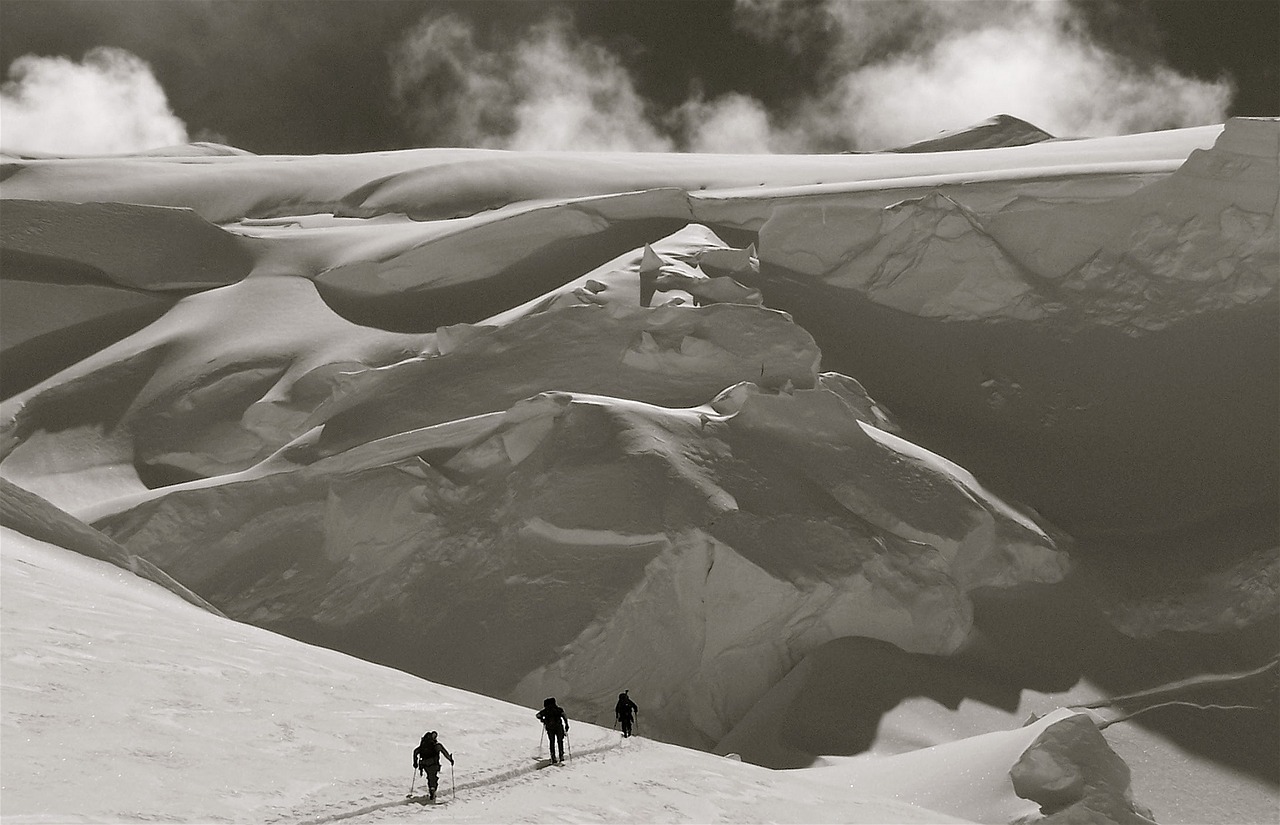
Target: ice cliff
(573, 536)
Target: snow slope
(121, 702)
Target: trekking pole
(453, 787)
(412, 782)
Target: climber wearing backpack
(625, 712)
(426, 758)
(553, 718)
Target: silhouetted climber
(426, 758)
(625, 711)
(557, 725)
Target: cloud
(731, 123)
(903, 71)
(547, 90)
(885, 74)
(110, 103)
(1065, 86)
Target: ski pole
(413, 781)
(453, 787)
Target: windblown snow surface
(944, 478)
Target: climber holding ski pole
(625, 712)
(553, 718)
(426, 758)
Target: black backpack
(428, 752)
(553, 719)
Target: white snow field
(124, 703)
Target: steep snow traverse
(929, 485)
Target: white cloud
(108, 104)
(577, 95)
(889, 73)
(732, 123)
(545, 91)
(904, 71)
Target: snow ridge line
(484, 782)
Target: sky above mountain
(301, 76)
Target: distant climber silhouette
(625, 712)
(553, 718)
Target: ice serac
(1202, 242)
(694, 251)
(505, 257)
(576, 542)
(929, 257)
(229, 375)
(672, 356)
(1116, 360)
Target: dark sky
(303, 76)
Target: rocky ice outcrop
(1074, 776)
(574, 537)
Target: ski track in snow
(484, 781)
